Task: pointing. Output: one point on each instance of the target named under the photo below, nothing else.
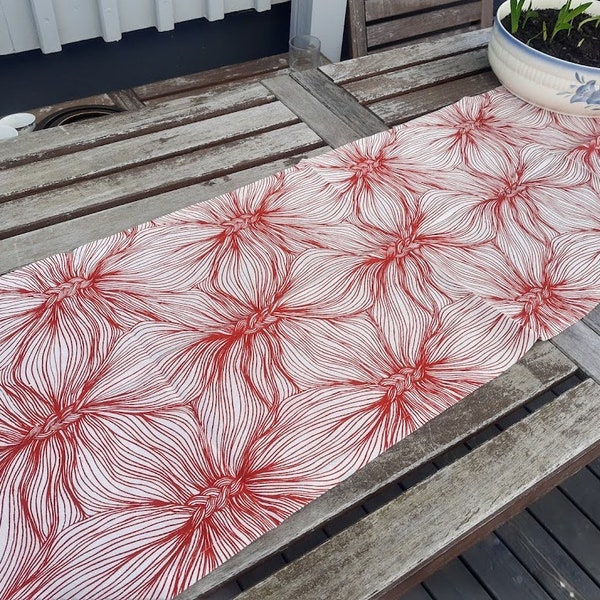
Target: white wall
(48, 24)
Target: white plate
(6, 132)
(18, 120)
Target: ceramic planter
(543, 80)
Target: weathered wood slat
(455, 582)
(389, 550)
(384, 9)
(257, 69)
(340, 103)
(571, 528)
(34, 245)
(536, 372)
(583, 489)
(357, 27)
(400, 29)
(127, 153)
(582, 345)
(419, 76)
(399, 109)
(333, 130)
(383, 62)
(545, 559)
(87, 196)
(78, 136)
(592, 319)
(503, 575)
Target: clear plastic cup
(305, 52)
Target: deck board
(455, 582)
(545, 558)
(573, 530)
(502, 573)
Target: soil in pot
(565, 45)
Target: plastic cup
(305, 52)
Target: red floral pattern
(170, 393)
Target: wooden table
(63, 187)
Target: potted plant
(524, 39)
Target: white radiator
(48, 24)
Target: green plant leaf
(516, 10)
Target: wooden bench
(407, 535)
(375, 25)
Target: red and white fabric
(172, 392)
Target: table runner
(172, 392)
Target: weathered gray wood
(126, 99)
(382, 62)
(388, 550)
(582, 345)
(255, 69)
(501, 572)
(127, 153)
(357, 27)
(373, 23)
(318, 117)
(384, 9)
(487, 13)
(419, 76)
(577, 534)
(63, 236)
(537, 371)
(340, 103)
(399, 109)
(87, 196)
(592, 319)
(413, 26)
(546, 560)
(78, 136)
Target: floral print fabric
(170, 393)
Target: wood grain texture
(545, 559)
(503, 574)
(535, 373)
(259, 68)
(455, 582)
(152, 147)
(93, 195)
(592, 319)
(428, 74)
(357, 28)
(72, 232)
(411, 105)
(577, 534)
(387, 550)
(384, 9)
(582, 345)
(331, 128)
(420, 24)
(340, 103)
(391, 60)
(39, 145)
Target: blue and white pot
(543, 80)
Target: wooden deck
(181, 142)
